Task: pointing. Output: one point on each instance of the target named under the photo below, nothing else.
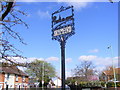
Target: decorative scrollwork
(61, 24)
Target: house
(12, 77)
(1, 80)
(108, 75)
(57, 82)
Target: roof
(110, 72)
(12, 70)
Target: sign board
(64, 30)
(63, 23)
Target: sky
(96, 28)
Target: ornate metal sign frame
(60, 24)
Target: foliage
(112, 84)
(102, 83)
(72, 81)
(87, 84)
(41, 70)
(118, 84)
(93, 84)
(10, 18)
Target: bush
(90, 84)
(112, 84)
(103, 83)
(118, 84)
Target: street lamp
(110, 47)
(43, 77)
(76, 84)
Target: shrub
(112, 84)
(118, 84)
(90, 84)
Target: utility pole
(43, 77)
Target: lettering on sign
(63, 31)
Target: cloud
(31, 59)
(27, 0)
(68, 74)
(42, 14)
(65, 0)
(100, 62)
(85, 0)
(119, 61)
(52, 59)
(78, 5)
(106, 61)
(69, 60)
(93, 51)
(87, 58)
(22, 60)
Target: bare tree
(84, 70)
(9, 18)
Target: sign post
(63, 62)
(62, 29)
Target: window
(0, 86)
(23, 78)
(8, 75)
(16, 78)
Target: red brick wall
(20, 80)
(2, 76)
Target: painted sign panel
(61, 31)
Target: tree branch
(10, 4)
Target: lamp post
(76, 84)
(110, 47)
(43, 77)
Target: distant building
(57, 82)
(12, 77)
(108, 75)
